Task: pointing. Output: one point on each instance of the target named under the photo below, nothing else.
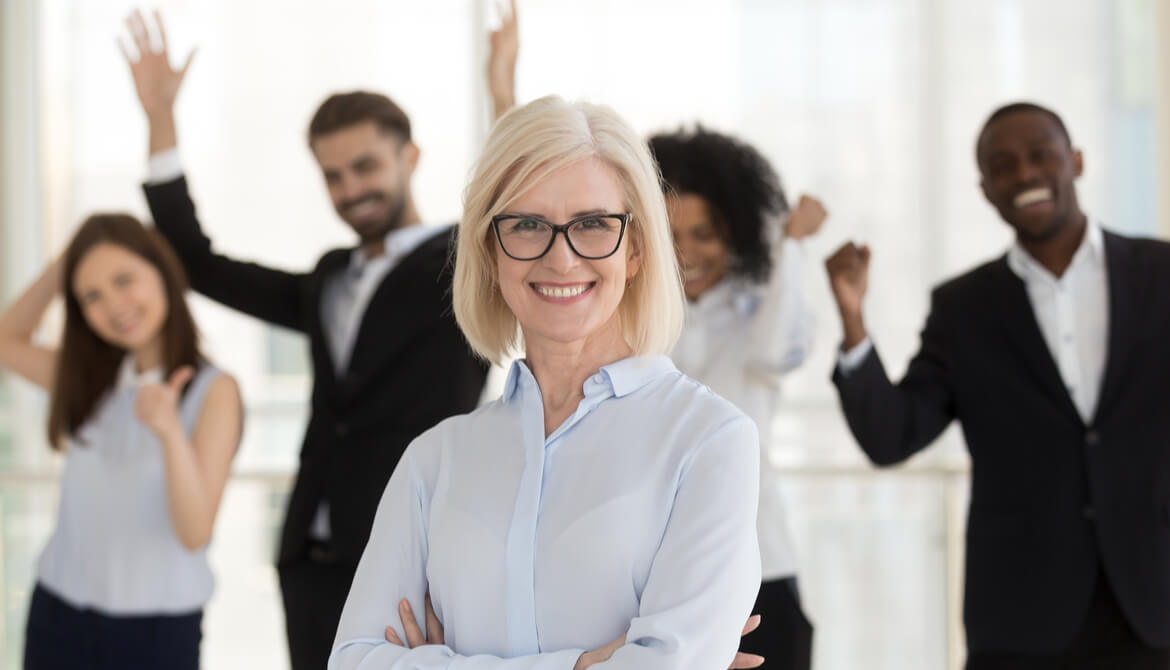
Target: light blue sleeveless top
(114, 548)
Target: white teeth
(1033, 196)
(363, 209)
(562, 291)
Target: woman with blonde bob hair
(602, 511)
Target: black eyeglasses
(592, 237)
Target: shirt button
(1092, 438)
(1089, 513)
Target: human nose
(350, 187)
(1027, 171)
(561, 256)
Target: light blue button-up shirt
(637, 516)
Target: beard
(374, 229)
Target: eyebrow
(362, 160)
(575, 215)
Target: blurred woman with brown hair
(148, 428)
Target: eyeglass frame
(624, 217)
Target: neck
(561, 368)
(1056, 253)
(149, 356)
(376, 247)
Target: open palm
(156, 82)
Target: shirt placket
(1070, 367)
(521, 549)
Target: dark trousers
(62, 637)
(314, 588)
(784, 637)
(1106, 641)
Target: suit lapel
(1124, 312)
(394, 312)
(1023, 332)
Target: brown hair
(87, 365)
(342, 110)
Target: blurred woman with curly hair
(747, 323)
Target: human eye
(596, 224)
(522, 225)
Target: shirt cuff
(849, 361)
(164, 166)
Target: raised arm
(890, 422)
(501, 70)
(268, 294)
(782, 332)
(197, 465)
(19, 323)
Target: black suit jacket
(1052, 499)
(410, 367)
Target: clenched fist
(806, 219)
(848, 270)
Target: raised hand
(414, 634)
(156, 82)
(806, 219)
(501, 70)
(157, 405)
(848, 270)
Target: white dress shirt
(345, 297)
(635, 517)
(1072, 312)
(738, 338)
(114, 548)
(348, 293)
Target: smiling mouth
(1032, 196)
(125, 326)
(363, 209)
(570, 291)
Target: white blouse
(739, 338)
(114, 548)
(636, 516)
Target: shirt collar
(730, 290)
(398, 242)
(619, 378)
(129, 377)
(1092, 248)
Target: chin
(1039, 231)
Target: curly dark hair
(738, 183)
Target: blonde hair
(526, 145)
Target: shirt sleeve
(699, 593)
(850, 359)
(706, 573)
(164, 166)
(782, 332)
